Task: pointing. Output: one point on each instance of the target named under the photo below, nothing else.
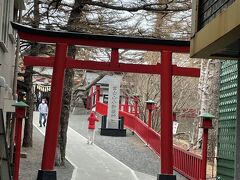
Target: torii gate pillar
(47, 171)
(166, 118)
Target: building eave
(220, 38)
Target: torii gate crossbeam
(109, 66)
(60, 62)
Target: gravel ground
(29, 166)
(130, 150)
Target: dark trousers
(44, 116)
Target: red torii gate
(60, 62)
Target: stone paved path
(29, 166)
(93, 163)
(129, 150)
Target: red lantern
(206, 121)
(150, 105)
(20, 109)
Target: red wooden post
(114, 56)
(204, 154)
(51, 136)
(97, 93)
(126, 104)
(166, 114)
(20, 114)
(136, 99)
(91, 99)
(205, 123)
(18, 133)
(150, 107)
(150, 119)
(174, 116)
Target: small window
(5, 20)
(4, 24)
(1, 19)
(13, 17)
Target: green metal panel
(227, 120)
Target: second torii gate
(60, 62)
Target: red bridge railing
(186, 163)
(130, 108)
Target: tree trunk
(209, 94)
(66, 103)
(214, 107)
(68, 86)
(62, 138)
(203, 88)
(205, 96)
(28, 128)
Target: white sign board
(113, 102)
(7, 106)
(175, 127)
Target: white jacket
(43, 108)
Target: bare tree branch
(160, 6)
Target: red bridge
(186, 163)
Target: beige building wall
(7, 46)
(7, 49)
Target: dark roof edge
(77, 35)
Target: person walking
(91, 127)
(43, 109)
